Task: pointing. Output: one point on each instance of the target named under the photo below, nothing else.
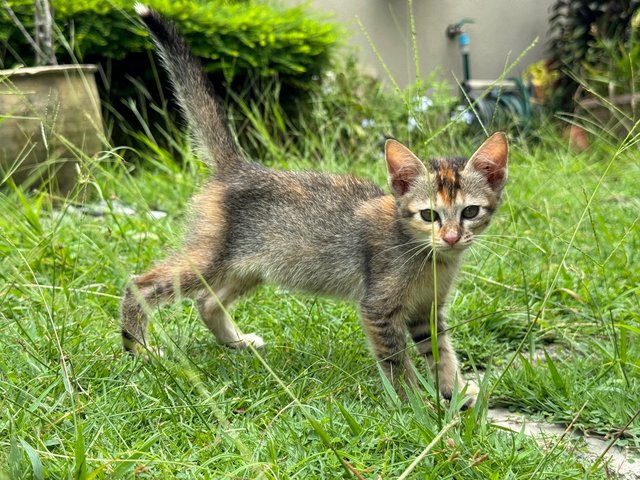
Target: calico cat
(396, 254)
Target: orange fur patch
(448, 184)
(382, 207)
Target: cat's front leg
(384, 326)
(447, 368)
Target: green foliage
(551, 285)
(350, 116)
(234, 38)
(246, 47)
(71, 404)
(613, 65)
(577, 30)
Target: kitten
(334, 235)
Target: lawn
(546, 312)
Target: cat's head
(449, 201)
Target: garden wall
(502, 30)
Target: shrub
(612, 64)
(578, 31)
(239, 38)
(240, 43)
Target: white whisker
(426, 246)
(411, 250)
(410, 242)
(426, 260)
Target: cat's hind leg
(213, 311)
(179, 275)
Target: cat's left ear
(490, 160)
(403, 166)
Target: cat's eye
(470, 212)
(429, 215)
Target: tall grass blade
(80, 468)
(34, 458)
(354, 426)
(428, 448)
(555, 375)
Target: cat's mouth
(443, 248)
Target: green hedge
(240, 38)
(245, 45)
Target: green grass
(557, 272)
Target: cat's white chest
(433, 283)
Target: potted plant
(594, 45)
(50, 114)
(542, 78)
(613, 93)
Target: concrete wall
(503, 29)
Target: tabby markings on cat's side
(325, 234)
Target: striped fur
(332, 235)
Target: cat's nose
(451, 237)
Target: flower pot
(49, 121)
(539, 92)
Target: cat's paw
(471, 392)
(253, 339)
(144, 352)
(246, 340)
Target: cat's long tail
(214, 143)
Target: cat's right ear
(403, 167)
(491, 160)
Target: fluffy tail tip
(142, 9)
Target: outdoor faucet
(457, 30)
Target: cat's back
(301, 229)
(315, 199)
(256, 181)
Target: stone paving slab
(621, 462)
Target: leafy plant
(238, 37)
(244, 45)
(42, 39)
(576, 27)
(202, 410)
(613, 66)
(542, 78)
